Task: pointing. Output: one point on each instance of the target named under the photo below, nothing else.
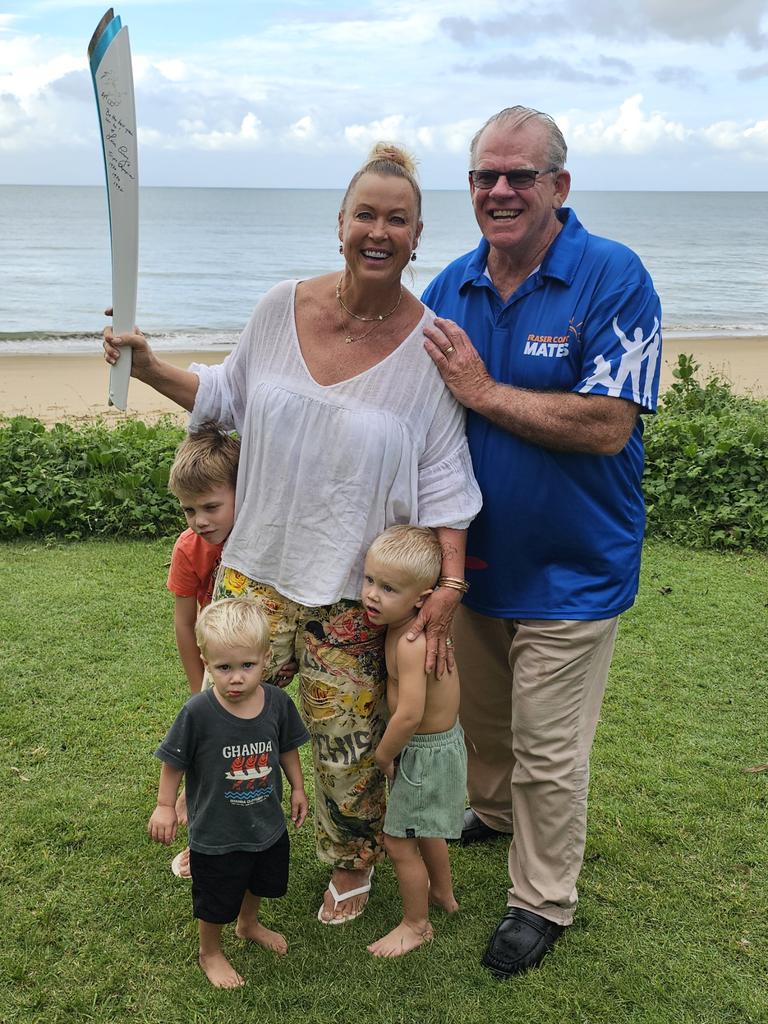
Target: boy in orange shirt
(203, 477)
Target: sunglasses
(518, 180)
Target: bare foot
(220, 971)
(262, 936)
(447, 903)
(401, 940)
(341, 910)
(181, 808)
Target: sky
(650, 94)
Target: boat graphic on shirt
(248, 770)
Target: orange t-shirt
(193, 567)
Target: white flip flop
(341, 897)
(176, 867)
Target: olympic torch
(109, 54)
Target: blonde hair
(208, 458)
(388, 160)
(233, 622)
(414, 550)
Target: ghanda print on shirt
(248, 772)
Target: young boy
(230, 742)
(426, 802)
(203, 478)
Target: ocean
(208, 255)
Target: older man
(563, 356)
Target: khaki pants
(530, 699)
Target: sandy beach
(71, 387)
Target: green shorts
(429, 792)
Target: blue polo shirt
(560, 534)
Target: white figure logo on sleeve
(636, 351)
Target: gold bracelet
(452, 583)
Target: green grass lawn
(673, 920)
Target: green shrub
(706, 477)
(88, 480)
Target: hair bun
(388, 160)
(394, 154)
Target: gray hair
(516, 117)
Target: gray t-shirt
(232, 769)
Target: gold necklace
(348, 340)
(376, 320)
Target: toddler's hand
(286, 674)
(162, 825)
(388, 767)
(299, 807)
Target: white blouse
(324, 469)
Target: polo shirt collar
(561, 260)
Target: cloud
(196, 134)
(174, 70)
(516, 67)
(686, 77)
(15, 124)
(23, 72)
(67, 5)
(321, 85)
(631, 131)
(455, 136)
(76, 85)
(711, 21)
(747, 139)
(303, 131)
(245, 136)
(43, 121)
(363, 136)
(751, 74)
(443, 137)
(628, 130)
(519, 23)
(621, 66)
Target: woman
(346, 428)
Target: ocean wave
(33, 343)
(83, 342)
(709, 330)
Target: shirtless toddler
(422, 751)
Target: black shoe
(474, 829)
(520, 942)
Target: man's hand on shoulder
(559, 420)
(459, 363)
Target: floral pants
(342, 676)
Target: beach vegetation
(706, 475)
(87, 480)
(671, 924)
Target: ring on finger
(449, 641)
(449, 350)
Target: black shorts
(219, 881)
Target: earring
(341, 247)
(413, 256)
